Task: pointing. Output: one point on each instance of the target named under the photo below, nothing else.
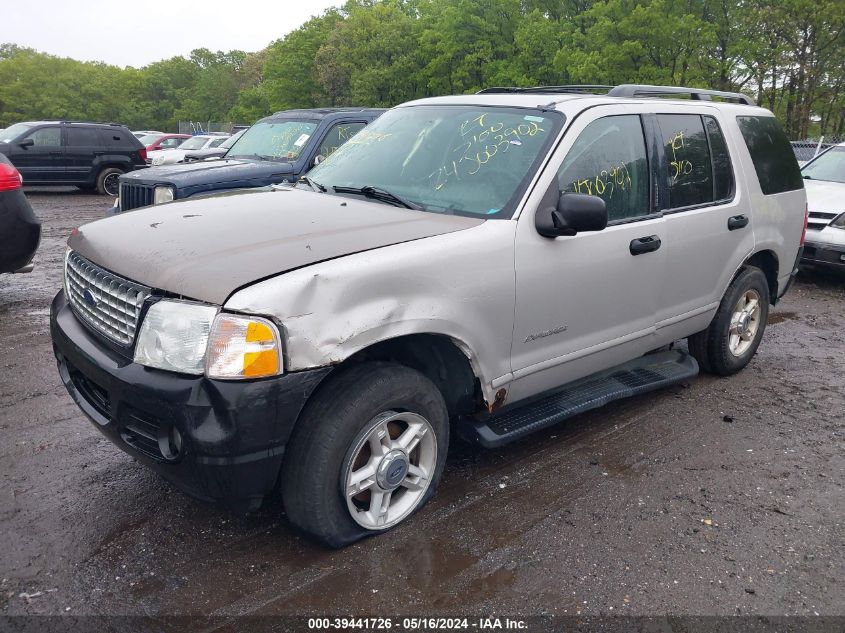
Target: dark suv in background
(91, 156)
(278, 148)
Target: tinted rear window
(688, 156)
(775, 164)
(118, 138)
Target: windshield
(11, 133)
(149, 139)
(828, 166)
(195, 142)
(468, 160)
(274, 140)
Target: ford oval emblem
(89, 298)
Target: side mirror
(575, 212)
(27, 142)
(319, 158)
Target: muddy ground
(721, 496)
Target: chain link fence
(809, 148)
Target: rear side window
(775, 164)
(82, 136)
(117, 138)
(608, 159)
(723, 176)
(688, 158)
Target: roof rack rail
(91, 122)
(699, 94)
(628, 90)
(574, 89)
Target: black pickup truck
(278, 148)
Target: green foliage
(789, 54)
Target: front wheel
(108, 181)
(367, 453)
(731, 340)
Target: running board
(641, 375)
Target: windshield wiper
(806, 177)
(258, 156)
(382, 195)
(316, 186)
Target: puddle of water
(780, 317)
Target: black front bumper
(824, 255)
(233, 433)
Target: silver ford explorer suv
(490, 264)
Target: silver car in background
(824, 179)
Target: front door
(42, 161)
(588, 302)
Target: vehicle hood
(825, 196)
(201, 173)
(206, 249)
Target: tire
(729, 343)
(335, 438)
(107, 181)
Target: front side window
(218, 141)
(281, 140)
(608, 160)
(688, 158)
(47, 137)
(466, 160)
(829, 166)
(337, 136)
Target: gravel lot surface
(721, 496)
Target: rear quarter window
(772, 155)
(117, 138)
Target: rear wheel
(367, 453)
(732, 338)
(108, 181)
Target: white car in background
(173, 156)
(824, 180)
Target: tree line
(787, 54)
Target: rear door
(81, 151)
(587, 302)
(708, 227)
(43, 160)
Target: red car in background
(155, 142)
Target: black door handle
(737, 222)
(644, 245)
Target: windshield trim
(508, 211)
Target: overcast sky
(137, 32)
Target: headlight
(839, 223)
(243, 347)
(174, 336)
(162, 194)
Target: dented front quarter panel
(459, 284)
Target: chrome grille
(113, 304)
(819, 219)
(133, 196)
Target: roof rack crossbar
(699, 94)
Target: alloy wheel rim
(389, 469)
(110, 184)
(745, 323)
